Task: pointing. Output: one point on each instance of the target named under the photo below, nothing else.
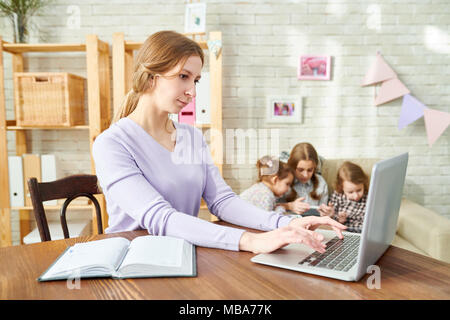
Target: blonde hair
(160, 52)
(269, 167)
(350, 171)
(305, 151)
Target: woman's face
(175, 89)
(304, 171)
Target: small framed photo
(311, 67)
(195, 16)
(284, 109)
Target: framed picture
(311, 67)
(284, 109)
(195, 16)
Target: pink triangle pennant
(379, 71)
(390, 90)
(435, 122)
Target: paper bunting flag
(379, 71)
(412, 109)
(215, 46)
(435, 122)
(390, 90)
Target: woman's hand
(312, 222)
(326, 210)
(299, 230)
(269, 241)
(298, 206)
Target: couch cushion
(402, 243)
(424, 229)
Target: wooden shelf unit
(122, 60)
(99, 114)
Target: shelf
(99, 116)
(57, 207)
(42, 47)
(132, 45)
(11, 125)
(48, 128)
(84, 127)
(51, 47)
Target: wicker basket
(49, 99)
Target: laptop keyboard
(340, 254)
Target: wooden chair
(70, 187)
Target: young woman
(154, 172)
(310, 188)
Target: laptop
(349, 258)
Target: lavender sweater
(148, 187)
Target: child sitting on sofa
(274, 180)
(348, 202)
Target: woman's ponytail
(128, 105)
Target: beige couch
(419, 229)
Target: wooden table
(221, 275)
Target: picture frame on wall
(195, 17)
(314, 67)
(284, 109)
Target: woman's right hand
(299, 206)
(270, 241)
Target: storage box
(187, 114)
(48, 99)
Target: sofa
(419, 229)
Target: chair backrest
(68, 188)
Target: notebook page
(155, 250)
(83, 255)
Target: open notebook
(119, 258)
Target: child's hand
(298, 206)
(342, 217)
(326, 210)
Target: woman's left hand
(312, 222)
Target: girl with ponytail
(147, 187)
(274, 180)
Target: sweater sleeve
(226, 205)
(123, 181)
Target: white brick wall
(262, 42)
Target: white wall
(262, 42)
